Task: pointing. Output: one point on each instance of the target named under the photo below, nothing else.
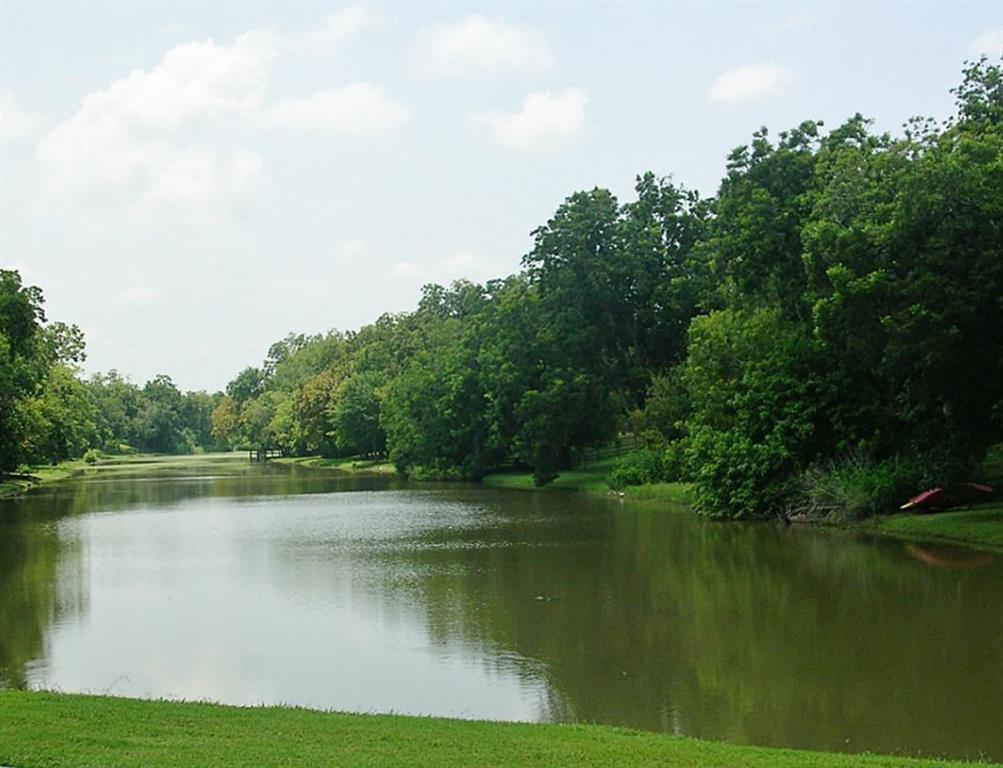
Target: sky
(189, 182)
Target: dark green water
(244, 584)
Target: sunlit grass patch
(64, 731)
(980, 526)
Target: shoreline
(13, 486)
(979, 527)
(63, 730)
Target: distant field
(68, 731)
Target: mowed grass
(44, 473)
(351, 464)
(665, 493)
(49, 730)
(980, 526)
(592, 478)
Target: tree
(355, 415)
(159, 421)
(755, 239)
(757, 403)
(22, 367)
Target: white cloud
(460, 259)
(357, 109)
(337, 28)
(137, 296)
(989, 43)
(15, 122)
(752, 82)
(162, 132)
(351, 249)
(203, 178)
(477, 45)
(405, 270)
(545, 122)
(796, 21)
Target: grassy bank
(60, 730)
(353, 464)
(980, 526)
(589, 478)
(592, 478)
(124, 466)
(37, 475)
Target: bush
(756, 400)
(735, 477)
(115, 448)
(92, 456)
(637, 468)
(859, 487)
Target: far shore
(978, 527)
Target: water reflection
(940, 556)
(265, 586)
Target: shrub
(858, 487)
(735, 477)
(92, 456)
(756, 400)
(637, 468)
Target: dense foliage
(49, 413)
(829, 326)
(832, 317)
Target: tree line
(825, 332)
(49, 412)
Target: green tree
(355, 415)
(22, 365)
(756, 404)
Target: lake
(247, 584)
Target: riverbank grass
(64, 731)
(980, 526)
(120, 466)
(593, 478)
(32, 476)
(352, 464)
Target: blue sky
(190, 181)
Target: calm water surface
(245, 584)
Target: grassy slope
(351, 464)
(592, 478)
(980, 526)
(57, 730)
(589, 478)
(42, 474)
(118, 466)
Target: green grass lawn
(351, 464)
(67, 731)
(665, 493)
(44, 473)
(138, 464)
(980, 526)
(590, 478)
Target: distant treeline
(826, 331)
(48, 413)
